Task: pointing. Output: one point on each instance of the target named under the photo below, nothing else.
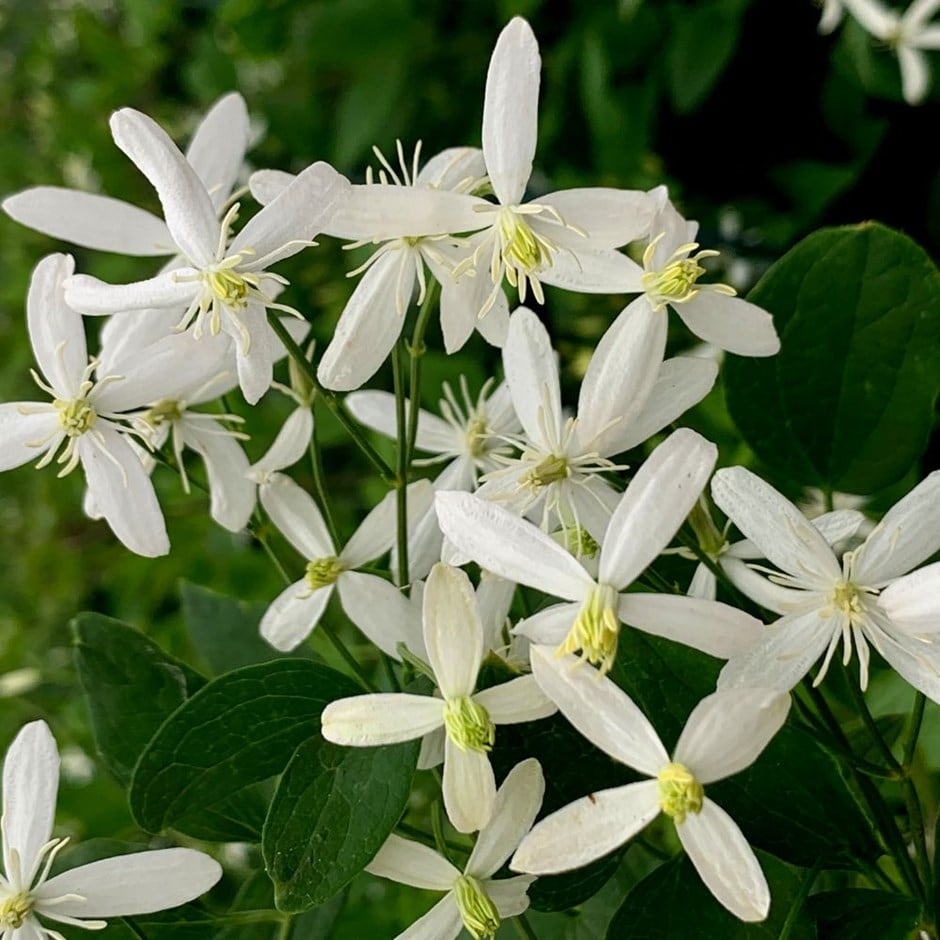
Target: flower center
(322, 572)
(15, 909)
(165, 411)
(228, 285)
(468, 724)
(520, 247)
(477, 911)
(76, 415)
(579, 542)
(476, 436)
(679, 792)
(677, 281)
(596, 628)
(551, 469)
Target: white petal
(730, 323)
(587, 829)
(254, 356)
(873, 16)
(916, 661)
(232, 494)
(550, 626)
(461, 303)
(297, 517)
(267, 185)
(509, 546)
(517, 804)
(468, 787)
(913, 602)
(775, 526)
(442, 922)
(775, 597)
(601, 711)
(509, 894)
(410, 863)
(510, 110)
(518, 700)
(655, 504)
(380, 610)
(293, 614)
(836, 526)
(706, 625)
(611, 217)
(218, 146)
(138, 883)
(90, 220)
(377, 531)
(704, 584)
(30, 783)
(494, 599)
(673, 229)
(592, 271)
(187, 208)
(383, 718)
(19, 430)
(451, 167)
(289, 445)
(376, 410)
(92, 297)
(727, 731)
(432, 749)
(725, 862)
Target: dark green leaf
(238, 730)
(860, 914)
(848, 402)
(333, 809)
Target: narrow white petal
(915, 74)
(592, 271)
(517, 804)
(289, 445)
(383, 718)
(873, 16)
(231, 493)
(727, 731)
(18, 431)
(550, 626)
(442, 922)
(432, 749)
(725, 862)
(600, 710)
(451, 167)
(377, 531)
(187, 208)
(90, 220)
(410, 863)
(913, 602)
(468, 787)
(775, 526)
(655, 504)
(30, 783)
(706, 625)
(836, 526)
(510, 110)
(138, 883)
(297, 517)
(376, 410)
(518, 700)
(730, 323)
(509, 546)
(916, 661)
(704, 584)
(509, 894)
(759, 588)
(380, 610)
(218, 147)
(267, 185)
(611, 217)
(254, 356)
(293, 614)
(92, 297)
(587, 829)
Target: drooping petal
(610, 217)
(730, 323)
(468, 787)
(461, 303)
(442, 922)
(92, 297)
(510, 110)
(293, 614)
(382, 718)
(655, 504)
(187, 208)
(509, 546)
(601, 711)
(380, 610)
(410, 863)
(592, 271)
(376, 532)
(776, 527)
(138, 883)
(254, 350)
(376, 410)
(267, 185)
(297, 517)
(23, 425)
(706, 625)
(451, 168)
(725, 862)
(836, 526)
(517, 804)
(218, 147)
(289, 445)
(704, 584)
(727, 731)
(916, 661)
(587, 829)
(30, 784)
(90, 220)
(759, 588)
(520, 699)
(913, 602)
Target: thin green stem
(348, 657)
(878, 877)
(806, 885)
(286, 925)
(332, 402)
(525, 928)
(262, 540)
(129, 923)
(869, 721)
(913, 731)
(401, 483)
(417, 350)
(319, 485)
(389, 665)
(911, 798)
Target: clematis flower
(138, 883)
(725, 733)
(862, 601)
(648, 515)
(224, 287)
(454, 640)
(474, 899)
(908, 34)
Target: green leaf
(238, 730)
(130, 685)
(848, 403)
(674, 902)
(333, 809)
(860, 914)
(223, 629)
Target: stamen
(468, 724)
(679, 792)
(479, 914)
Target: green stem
(417, 350)
(262, 540)
(286, 926)
(389, 665)
(133, 928)
(878, 877)
(401, 482)
(869, 721)
(525, 928)
(319, 485)
(913, 731)
(332, 402)
(801, 895)
(348, 657)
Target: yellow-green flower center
(228, 286)
(677, 281)
(76, 415)
(477, 911)
(847, 598)
(167, 410)
(322, 572)
(520, 246)
(15, 909)
(468, 724)
(476, 435)
(551, 469)
(679, 792)
(579, 542)
(596, 628)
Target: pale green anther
(76, 416)
(710, 538)
(676, 281)
(164, 411)
(596, 628)
(322, 572)
(228, 286)
(846, 598)
(476, 436)
(520, 245)
(477, 911)
(679, 792)
(15, 909)
(579, 542)
(468, 724)
(550, 470)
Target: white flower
(908, 34)
(864, 600)
(724, 734)
(453, 638)
(225, 287)
(566, 239)
(138, 883)
(671, 271)
(474, 898)
(647, 517)
(215, 154)
(831, 16)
